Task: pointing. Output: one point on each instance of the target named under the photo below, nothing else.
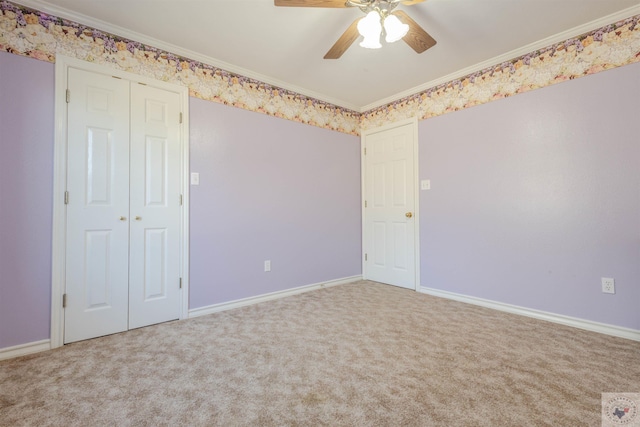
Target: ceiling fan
(380, 15)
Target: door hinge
(181, 283)
(68, 96)
(180, 117)
(64, 300)
(365, 151)
(66, 197)
(365, 203)
(181, 200)
(365, 257)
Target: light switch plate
(195, 178)
(425, 184)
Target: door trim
(416, 189)
(58, 257)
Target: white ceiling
(284, 46)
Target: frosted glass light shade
(371, 42)
(394, 28)
(370, 28)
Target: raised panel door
(97, 227)
(389, 191)
(154, 292)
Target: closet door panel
(97, 230)
(155, 205)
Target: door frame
(416, 190)
(58, 258)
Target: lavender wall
(26, 173)
(533, 199)
(270, 189)
(536, 197)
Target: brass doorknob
(138, 218)
(408, 214)
(123, 218)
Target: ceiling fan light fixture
(394, 29)
(377, 20)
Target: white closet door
(155, 205)
(97, 258)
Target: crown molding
(176, 50)
(516, 53)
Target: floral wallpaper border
(28, 32)
(32, 33)
(602, 49)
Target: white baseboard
(215, 308)
(24, 349)
(603, 328)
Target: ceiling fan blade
(411, 2)
(345, 40)
(417, 38)
(311, 3)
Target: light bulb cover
(370, 26)
(394, 28)
(371, 42)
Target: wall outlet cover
(608, 285)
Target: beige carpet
(362, 354)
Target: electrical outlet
(267, 265)
(608, 285)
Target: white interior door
(97, 260)
(154, 285)
(389, 223)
